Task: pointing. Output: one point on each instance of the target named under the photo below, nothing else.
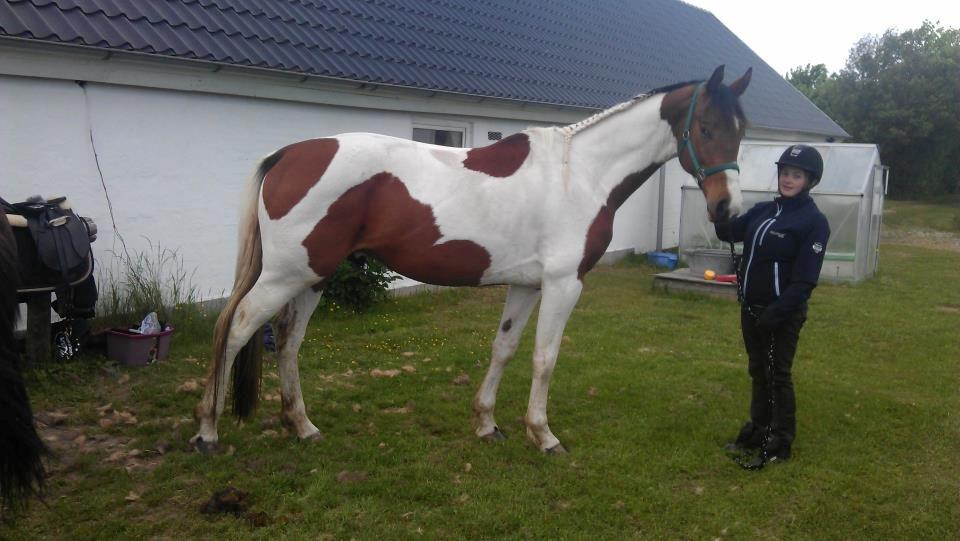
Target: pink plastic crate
(135, 349)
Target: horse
(533, 211)
(21, 449)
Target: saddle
(53, 248)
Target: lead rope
(737, 259)
(736, 267)
(745, 461)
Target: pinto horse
(533, 211)
(21, 449)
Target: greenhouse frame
(851, 196)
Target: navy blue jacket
(784, 242)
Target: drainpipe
(663, 185)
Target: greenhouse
(850, 195)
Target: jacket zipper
(776, 277)
(758, 235)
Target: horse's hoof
(496, 435)
(206, 447)
(557, 449)
(313, 438)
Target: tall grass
(153, 280)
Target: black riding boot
(750, 437)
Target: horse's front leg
(516, 311)
(291, 327)
(559, 297)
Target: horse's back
(420, 207)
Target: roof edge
(44, 59)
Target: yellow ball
(709, 275)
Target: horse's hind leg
(259, 304)
(291, 327)
(516, 311)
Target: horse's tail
(21, 449)
(246, 373)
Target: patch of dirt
(347, 476)
(926, 238)
(69, 440)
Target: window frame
(464, 128)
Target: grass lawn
(648, 388)
(940, 215)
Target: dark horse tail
(21, 449)
(247, 364)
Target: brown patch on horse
(507, 325)
(600, 232)
(380, 217)
(500, 159)
(298, 168)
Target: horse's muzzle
(719, 211)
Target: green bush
(359, 282)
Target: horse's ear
(714, 83)
(740, 85)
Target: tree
(902, 92)
(809, 78)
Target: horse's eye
(704, 132)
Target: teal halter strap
(687, 142)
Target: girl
(784, 244)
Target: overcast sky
(791, 34)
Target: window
(447, 138)
(440, 132)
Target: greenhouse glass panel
(850, 196)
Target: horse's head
(708, 124)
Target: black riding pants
(778, 345)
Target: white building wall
(635, 224)
(173, 162)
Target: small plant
(359, 282)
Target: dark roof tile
(565, 52)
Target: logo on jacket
(817, 247)
(777, 234)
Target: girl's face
(792, 181)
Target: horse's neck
(628, 139)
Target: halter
(687, 142)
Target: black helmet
(803, 157)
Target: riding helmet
(803, 157)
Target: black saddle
(54, 254)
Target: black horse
(21, 449)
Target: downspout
(662, 188)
